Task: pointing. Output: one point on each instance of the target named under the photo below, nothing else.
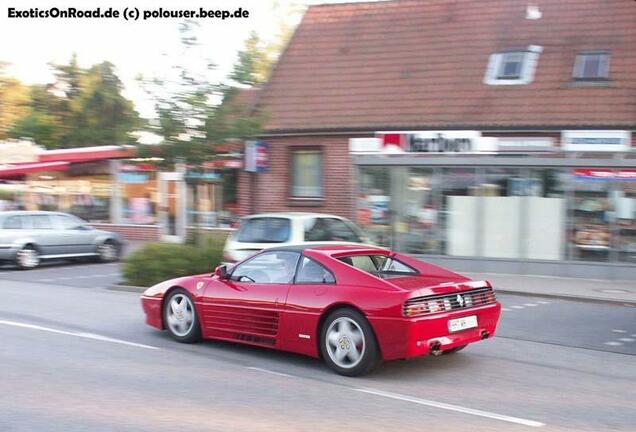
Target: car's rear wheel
(107, 252)
(27, 258)
(348, 344)
(454, 350)
(180, 317)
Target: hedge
(156, 262)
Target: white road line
(619, 331)
(268, 371)
(543, 302)
(76, 334)
(626, 339)
(450, 407)
(613, 343)
(505, 309)
(517, 307)
(530, 304)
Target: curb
(126, 288)
(585, 299)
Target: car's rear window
(379, 265)
(330, 229)
(264, 230)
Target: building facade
(489, 136)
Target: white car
(261, 231)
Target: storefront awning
(27, 168)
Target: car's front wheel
(348, 344)
(180, 317)
(27, 258)
(107, 252)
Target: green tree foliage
(14, 102)
(84, 107)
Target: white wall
(462, 222)
(545, 227)
(501, 220)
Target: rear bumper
(402, 338)
(152, 309)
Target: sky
(147, 48)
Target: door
(48, 238)
(247, 306)
(172, 206)
(77, 237)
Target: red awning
(86, 154)
(27, 168)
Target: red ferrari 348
(352, 305)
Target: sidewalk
(620, 292)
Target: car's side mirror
(221, 272)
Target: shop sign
(596, 140)
(605, 174)
(256, 156)
(435, 142)
(132, 178)
(526, 144)
(202, 176)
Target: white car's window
(264, 230)
(310, 272)
(330, 229)
(41, 222)
(379, 265)
(68, 222)
(13, 222)
(269, 267)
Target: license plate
(464, 323)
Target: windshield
(264, 230)
(379, 265)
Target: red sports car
(352, 305)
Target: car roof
(291, 215)
(27, 213)
(330, 248)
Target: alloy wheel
(180, 315)
(345, 342)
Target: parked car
(28, 237)
(352, 305)
(261, 231)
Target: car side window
(310, 272)
(13, 222)
(329, 229)
(41, 222)
(68, 222)
(276, 267)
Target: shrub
(156, 262)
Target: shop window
(139, 196)
(459, 210)
(624, 197)
(591, 66)
(513, 67)
(418, 215)
(374, 204)
(591, 212)
(306, 174)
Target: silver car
(28, 237)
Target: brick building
(435, 122)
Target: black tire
(108, 251)
(27, 258)
(193, 334)
(370, 356)
(454, 350)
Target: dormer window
(591, 65)
(512, 67)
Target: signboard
(606, 174)
(596, 140)
(432, 142)
(18, 151)
(202, 176)
(525, 144)
(256, 156)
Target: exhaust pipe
(484, 334)
(436, 348)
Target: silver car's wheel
(27, 258)
(345, 342)
(107, 252)
(180, 315)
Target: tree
(254, 62)
(14, 102)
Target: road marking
(530, 304)
(450, 407)
(517, 307)
(619, 331)
(505, 309)
(543, 302)
(626, 339)
(613, 343)
(268, 371)
(84, 335)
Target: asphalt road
(75, 356)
